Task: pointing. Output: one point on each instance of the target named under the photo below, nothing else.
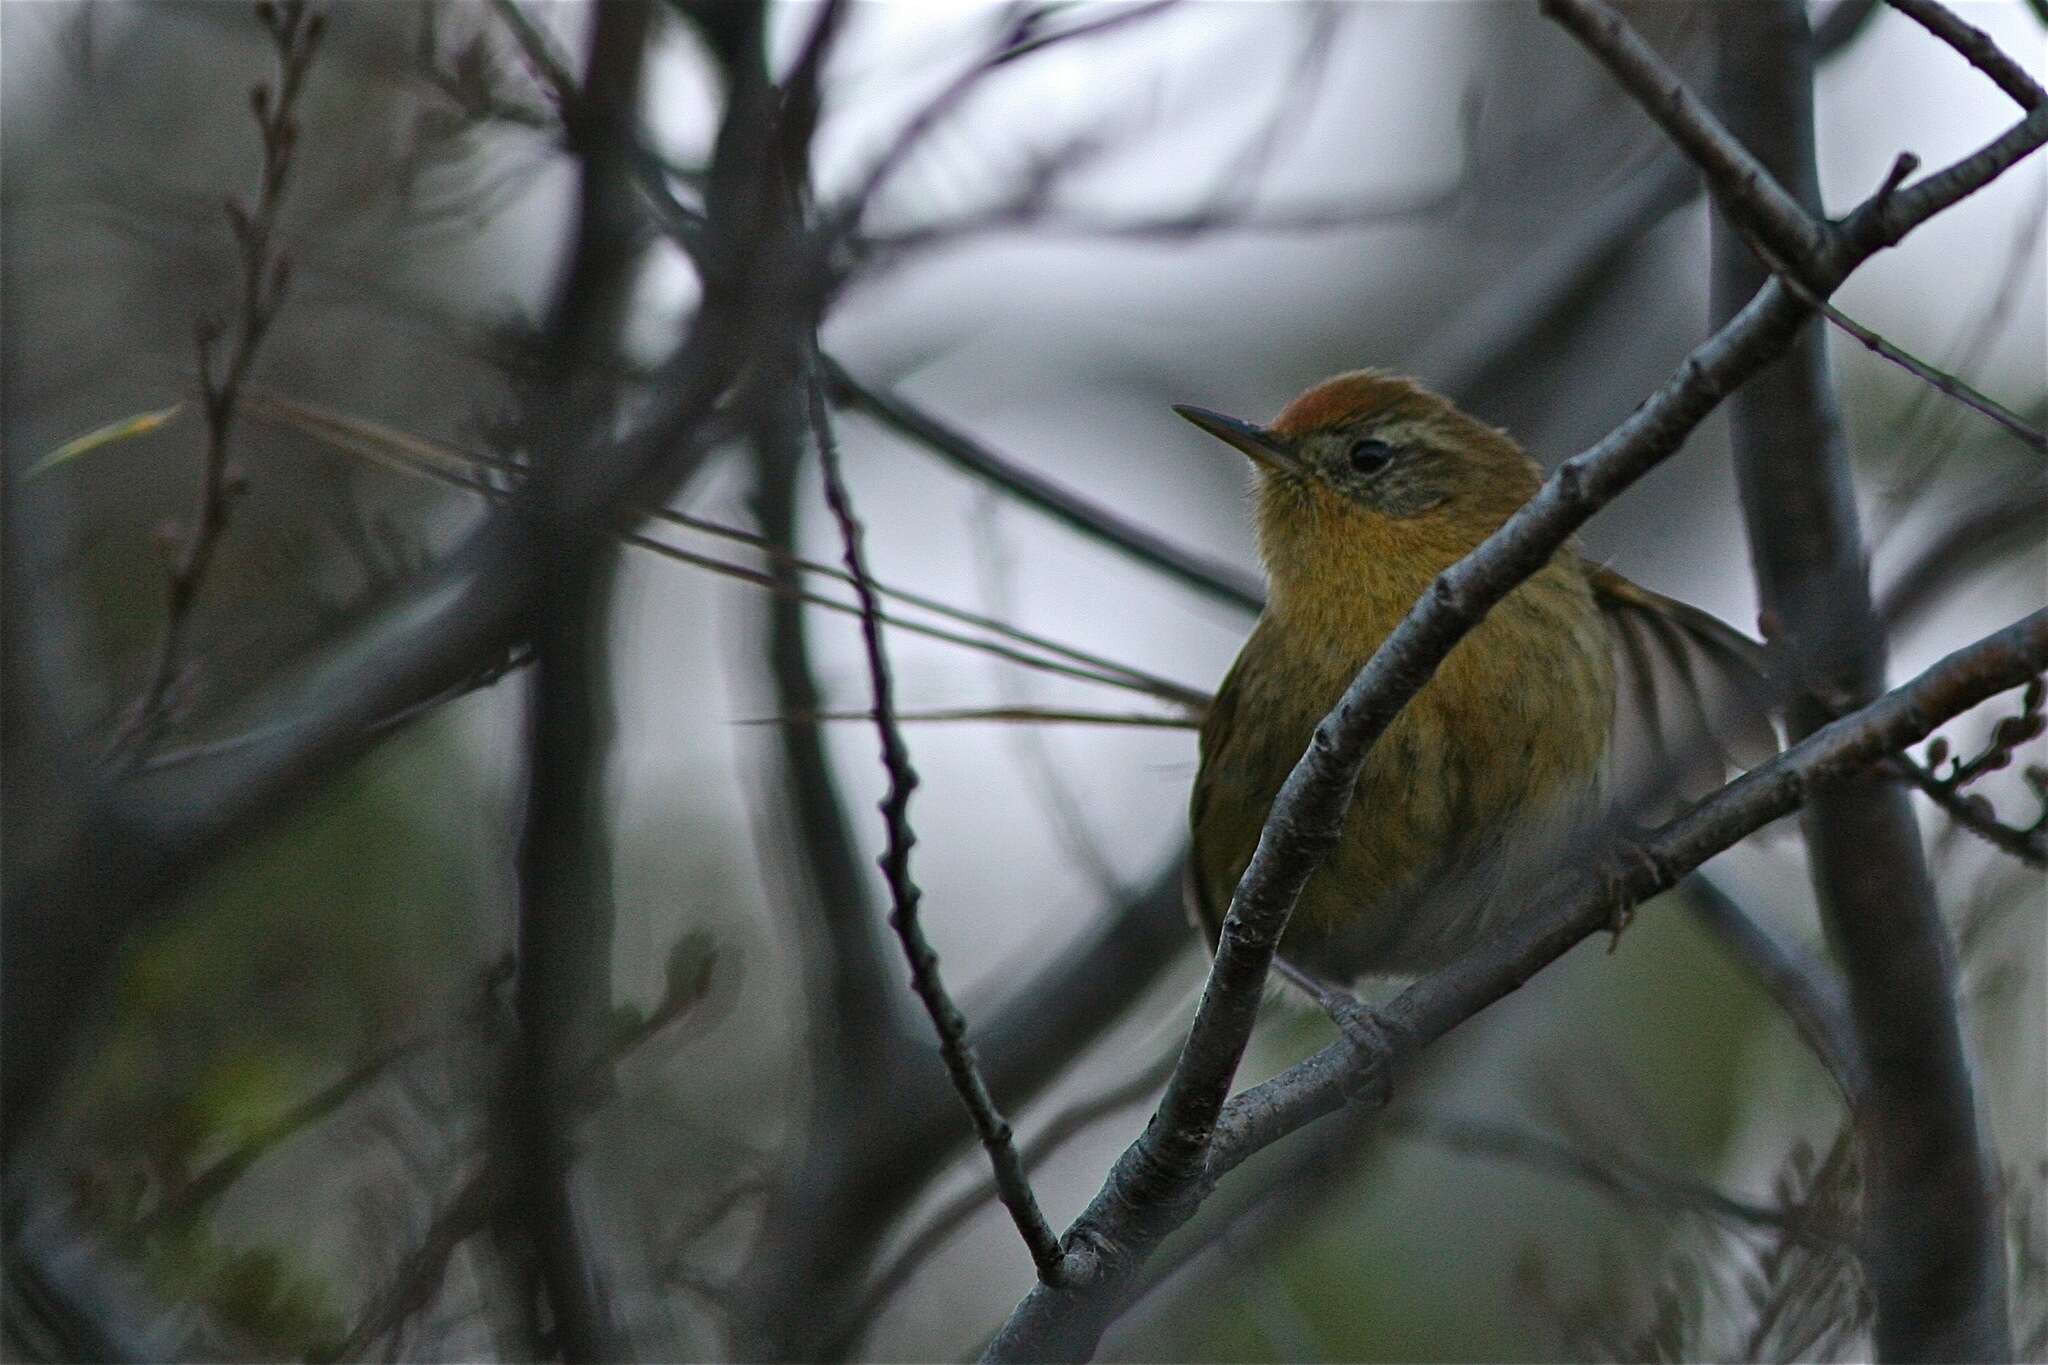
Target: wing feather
(1711, 701)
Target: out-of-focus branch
(265, 273)
(2015, 520)
(1627, 1181)
(1932, 1245)
(563, 994)
(1806, 989)
(1746, 191)
(565, 950)
(190, 1200)
(1208, 577)
(1068, 1123)
(1025, 31)
(414, 642)
(1494, 331)
(476, 1203)
(1013, 1186)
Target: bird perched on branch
(1368, 487)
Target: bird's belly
(1462, 803)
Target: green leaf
(141, 424)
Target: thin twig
(1946, 383)
(446, 464)
(1976, 48)
(265, 276)
(1940, 380)
(1012, 1184)
(1025, 34)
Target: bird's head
(1369, 464)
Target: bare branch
(1012, 1184)
(449, 465)
(1121, 1226)
(1976, 48)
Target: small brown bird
(1368, 486)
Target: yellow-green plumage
(1497, 757)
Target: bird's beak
(1262, 445)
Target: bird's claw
(1614, 872)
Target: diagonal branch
(1109, 1244)
(1012, 1184)
(1807, 990)
(1976, 48)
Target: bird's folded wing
(1694, 696)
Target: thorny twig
(1012, 1183)
(295, 34)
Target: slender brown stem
(1013, 1185)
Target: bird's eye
(1371, 455)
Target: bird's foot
(1366, 1035)
(1617, 869)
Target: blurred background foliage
(364, 929)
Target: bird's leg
(1613, 868)
(1368, 1037)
